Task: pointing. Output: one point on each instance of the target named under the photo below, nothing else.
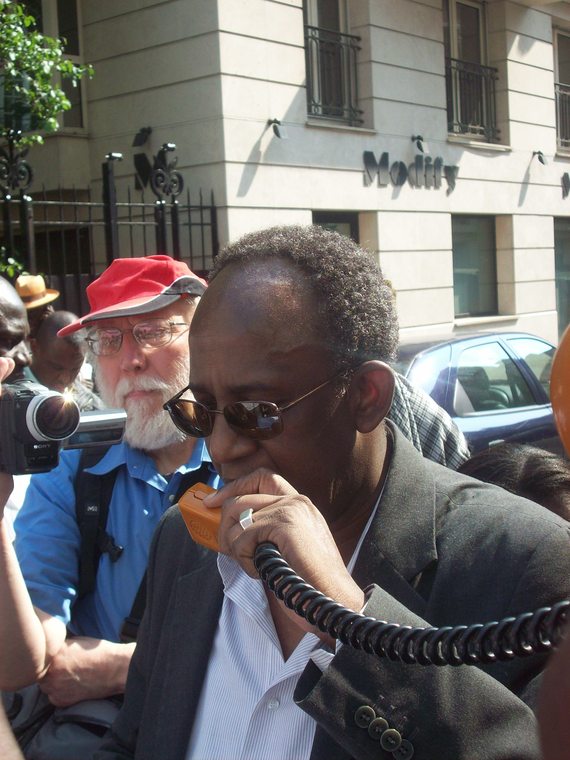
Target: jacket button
(377, 728)
(390, 740)
(364, 716)
(405, 751)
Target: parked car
(495, 386)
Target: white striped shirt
(261, 721)
(246, 709)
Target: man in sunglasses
(290, 387)
(137, 331)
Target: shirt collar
(124, 454)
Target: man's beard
(148, 426)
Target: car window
(430, 369)
(488, 380)
(538, 355)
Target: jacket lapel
(199, 596)
(398, 547)
(400, 544)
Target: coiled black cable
(521, 636)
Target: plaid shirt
(427, 425)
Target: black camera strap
(130, 626)
(92, 499)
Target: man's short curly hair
(356, 303)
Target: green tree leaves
(30, 98)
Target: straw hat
(33, 292)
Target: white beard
(148, 426)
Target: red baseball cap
(137, 286)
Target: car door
(495, 399)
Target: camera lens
(52, 416)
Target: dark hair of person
(36, 317)
(50, 325)
(536, 474)
(355, 301)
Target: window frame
(495, 295)
(349, 113)
(562, 94)
(50, 27)
(327, 219)
(559, 32)
(471, 89)
(561, 231)
(311, 13)
(452, 29)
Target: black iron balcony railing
(471, 99)
(562, 92)
(331, 59)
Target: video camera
(36, 423)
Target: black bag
(45, 732)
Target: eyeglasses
(254, 419)
(153, 333)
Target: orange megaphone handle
(560, 389)
(202, 523)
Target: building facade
(435, 132)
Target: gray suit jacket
(442, 550)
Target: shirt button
(377, 729)
(364, 716)
(273, 704)
(390, 740)
(171, 498)
(405, 751)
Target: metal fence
(69, 237)
(471, 109)
(332, 87)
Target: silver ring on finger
(246, 518)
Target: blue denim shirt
(48, 540)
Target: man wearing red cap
(137, 331)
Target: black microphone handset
(36, 423)
(479, 643)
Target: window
(343, 222)
(489, 380)
(60, 18)
(68, 26)
(330, 55)
(562, 271)
(538, 355)
(470, 84)
(474, 265)
(562, 89)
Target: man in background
(14, 332)
(57, 361)
(14, 329)
(137, 329)
(37, 299)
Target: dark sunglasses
(254, 419)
